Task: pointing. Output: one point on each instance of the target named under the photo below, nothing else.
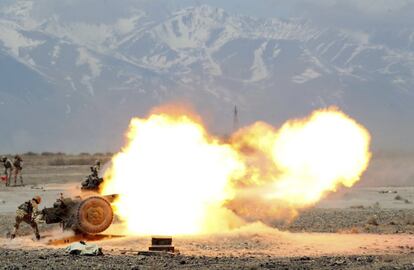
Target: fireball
(317, 155)
(174, 178)
(295, 166)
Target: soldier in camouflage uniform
(18, 167)
(93, 180)
(95, 169)
(8, 169)
(28, 212)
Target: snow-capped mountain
(72, 84)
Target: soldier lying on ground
(28, 212)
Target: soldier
(95, 169)
(18, 167)
(8, 168)
(28, 213)
(93, 180)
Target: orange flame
(171, 176)
(175, 178)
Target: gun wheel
(94, 215)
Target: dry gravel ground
(354, 229)
(254, 247)
(388, 221)
(57, 259)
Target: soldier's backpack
(27, 207)
(8, 164)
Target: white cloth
(84, 249)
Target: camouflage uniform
(18, 167)
(93, 180)
(28, 213)
(95, 169)
(8, 169)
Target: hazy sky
(349, 13)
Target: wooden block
(161, 241)
(155, 253)
(166, 248)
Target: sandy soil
(252, 247)
(339, 233)
(238, 250)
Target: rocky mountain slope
(73, 84)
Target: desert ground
(358, 228)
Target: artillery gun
(87, 216)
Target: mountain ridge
(272, 69)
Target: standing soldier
(95, 168)
(18, 167)
(28, 212)
(8, 168)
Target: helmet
(98, 162)
(38, 199)
(3, 158)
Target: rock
(339, 262)
(373, 221)
(370, 259)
